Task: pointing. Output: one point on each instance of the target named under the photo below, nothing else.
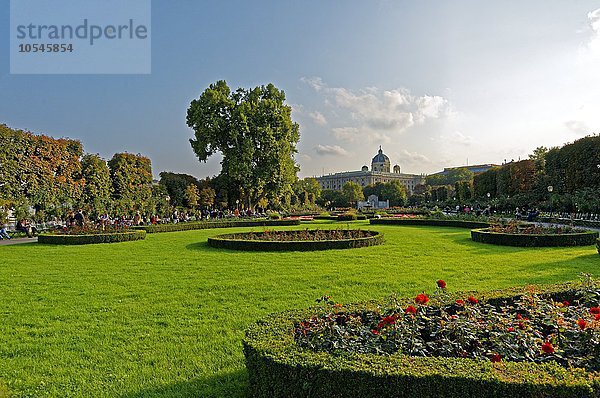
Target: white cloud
(458, 138)
(318, 118)
(594, 43)
(412, 157)
(346, 133)
(577, 126)
(316, 83)
(335, 150)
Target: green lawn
(165, 316)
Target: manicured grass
(165, 316)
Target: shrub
(113, 237)
(348, 216)
(425, 221)
(297, 240)
(598, 245)
(188, 226)
(274, 216)
(584, 238)
(279, 367)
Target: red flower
(496, 358)
(511, 329)
(472, 300)
(411, 309)
(421, 299)
(375, 331)
(519, 316)
(581, 323)
(566, 303)
(521, 325)
(460, 302)
(441, 284)
(547, 348)
(390, 319)
(597, 317)
(595, 310)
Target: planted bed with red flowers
(530, 342)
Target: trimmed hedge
(598, 245)
(188, 226)
(277, 367)
(430, 222)
(585, 238)
(92, 238)
(225, 242)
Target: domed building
(380, 172)
(380, 162)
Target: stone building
(380, 172)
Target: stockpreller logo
(91, 37)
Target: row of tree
(54, 176)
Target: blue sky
(434, 82)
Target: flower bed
(513, 343)
(534, 236)
(92, 238)
(188, 226)
(430, 222)
(302, 240)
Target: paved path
(17, 241)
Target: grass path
(165, 316)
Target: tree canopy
(254, 132)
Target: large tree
(254, 131)
(176, 185)
(97, 187)
(132, 182)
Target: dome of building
(365, 168)
(380, 162)
(397, 169)
(380, 157)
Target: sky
(435, 83)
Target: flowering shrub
(89, 230)
(303, 235)
(528, 328)
(515, 227)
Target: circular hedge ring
(89, 239)
(584, 238)
(278, 367)
(307, 240)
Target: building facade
(380, 172)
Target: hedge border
(277, 367)
(225, 242)
(188, 226)
(430, 222)
(598, 245)
(114, 237)
(585, 238)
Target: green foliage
(297, 240)
(188, 226)
(307, 190)
(584, 238)
(451, 177)
(176, 185)
(40, 170)
(97, 186)
(430, 222)
(113, 237)
(132, 181)
(574, 166)
(278, 367)
(352, 193)
(332, 198)
(254, 131)
(348, 216)
(393, 191)
(192, 195)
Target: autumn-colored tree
(131, 181)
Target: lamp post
(550, 189)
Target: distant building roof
(477, 168)
(380, 157)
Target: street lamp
(550, 189)
(488, 195)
